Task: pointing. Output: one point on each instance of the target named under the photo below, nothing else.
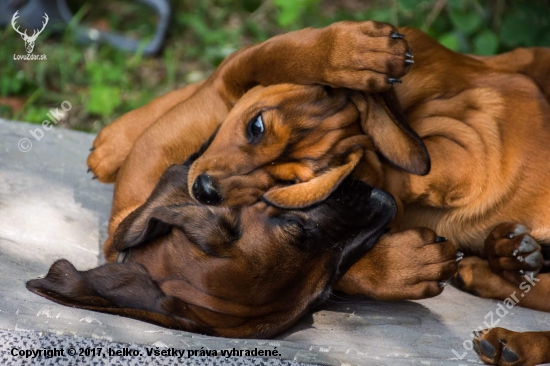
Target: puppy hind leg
(499, 346)
(475, 276)
(512, 252)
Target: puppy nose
(204, 190)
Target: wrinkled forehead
(283, 95)
(277, 93)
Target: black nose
(204, 190)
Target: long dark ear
(208, 228)
(171, 206)
(121, 289)
(147, 224)
(383, 119)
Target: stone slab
(51, 209)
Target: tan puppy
(465, 109)
(366, 53)
(485, 124)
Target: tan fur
(485, 123)
(183, 128)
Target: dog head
(306, 140)
(250, 271)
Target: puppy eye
(255, 129)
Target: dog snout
(205, 191)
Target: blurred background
(102, 81)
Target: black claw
(89, 170)
(409, 54)
(487, 349)
(509, 356)
(510, 236)
(534, 260)
(92, 148)
(393, 81)
(440, 239)
(528, 244)
(94, 177)
(409, 62)
(397, 35)
(476, 347)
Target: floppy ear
(171, 206)
(383, 119)
(148, 223)
(121, 289)
(208, 228)
(315, 190)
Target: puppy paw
(499, 346)
(473, 275)
(369, 56)
(109, 150)
(512, 252)
(410, 265)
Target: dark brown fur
(207, 269)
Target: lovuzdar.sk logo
(29, 40)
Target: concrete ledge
(51, 209)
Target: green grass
(102, 83)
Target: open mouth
(379, 211)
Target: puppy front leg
(114, 142)
(408, 265)
(367, 56)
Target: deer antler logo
(29, 40)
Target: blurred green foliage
(102, 83)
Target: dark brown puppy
(207, 269)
